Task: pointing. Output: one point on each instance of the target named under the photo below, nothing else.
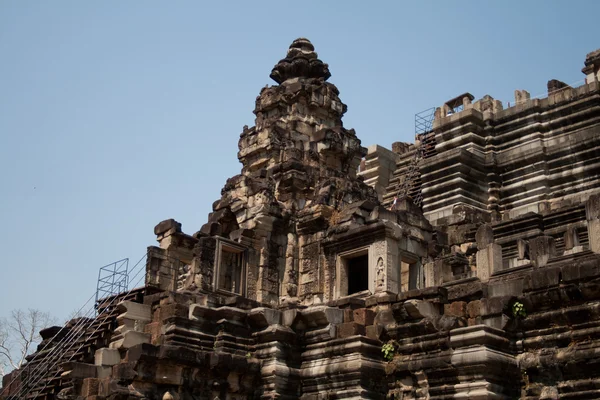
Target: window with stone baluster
(230, 264)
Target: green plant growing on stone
(518, 310)
(388, 351)
(248, 355)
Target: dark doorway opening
(413, 276)
(358, 274)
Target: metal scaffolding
(112, 279)
(424, 121)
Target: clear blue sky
(115, 115)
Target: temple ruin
(465, 265)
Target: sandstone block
(75, 370)
(474, 309)
(541, 249)
(594, 235)
(348, 316)
(123, 372)
(456, 309)
(263, 317)
(168, 374)
(104, 387)
(522, 249)
(494, 305)
(542, 279)
(103, 372)
(89, 387)
(289, 316)
(166, 225)
(592, 207)
(484, 236)
(513, 288)
(374, 331)
(321, 315)
(107, 357)
(135, 311)
(418, 309)
(489, 260)
(350, 329)
(571, 238)
(363, 316)
(131, 339)
(172, 310)
(154, 329)
(497, 322)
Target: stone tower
(299, 164)
(302, 285)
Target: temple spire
(301, 62)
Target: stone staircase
(43, 376)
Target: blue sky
(116, 115)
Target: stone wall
(305, 283)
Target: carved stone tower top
(301, 62)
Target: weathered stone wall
(537, 156)
(304, 283)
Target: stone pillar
(432, 275)
(522, 250)
(165, 230)
(591, 67)
(203, 268)
(290, 277)
(571, 238)
(541, 249)
(379, 166)
(521, 96)
(161, 270)
(592, 214)
(385, 276)
(554, 85)
(484, 364)
(400, 147)
(466, 102)
(437, 272)
(446, 110)
(522, 253)
(489, 254)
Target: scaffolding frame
(113, 279)
(424, 121)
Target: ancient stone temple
(465, 265)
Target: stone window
(411, 275)
(353, 272)
(231, 268)
(415, 276)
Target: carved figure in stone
(184, 273)
(292, 286)
(264, 254)
(380, 282)
(261, 202)
(291, 277)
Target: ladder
(77, 338)
(423, 126)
